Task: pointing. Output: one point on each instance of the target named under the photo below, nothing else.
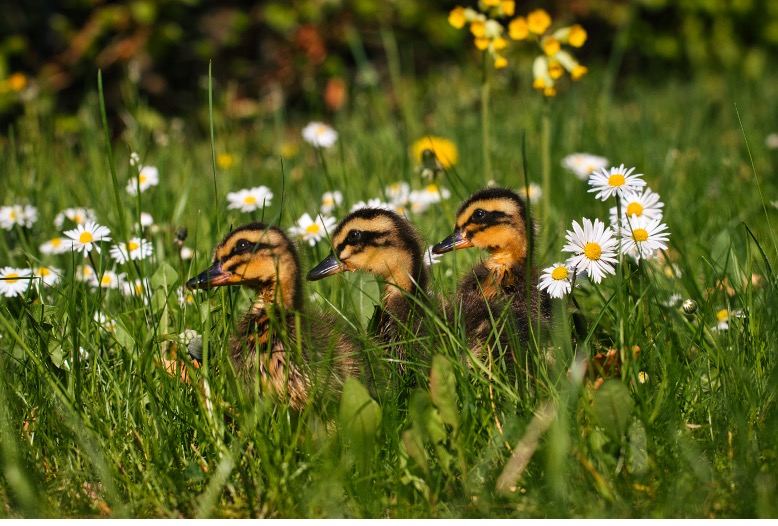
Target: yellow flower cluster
(486, 30)
(488, 34)
(552, 63)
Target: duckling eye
(479, 214)
(354, 236)
(243, 245)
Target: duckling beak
(455, 241)
(329, 266)
(213, 277)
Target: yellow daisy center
(560, 273)
(328, 200)
(313, 228)
(634, 209)
(12, 277)
(132, 245)
(43, 272)
(321, 129)
(141, 178)
(592, 251)
(432, 188)
(616, 180)
(13, 215)
(106, 279)
(78, 219)
(640, 234)
(56, 242)
(722, 315)
(85, 237)
(250, 200)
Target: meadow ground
(94, 425)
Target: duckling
(385, 244)
(504, 284)
(264, 259)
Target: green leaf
(612, 406)
(360, 417)
(443, 390)
(165, 276)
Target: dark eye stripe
(367, 238)
(247, 247)
(491, 218)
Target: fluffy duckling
(264, 259)
(495, 219)
(385, 244)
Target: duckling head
(260, 257)
(377, 241)
(493, 219)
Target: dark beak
(453, 242)
(213, 277)
(329, 266)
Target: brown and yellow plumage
(288, 350)
(501, 291)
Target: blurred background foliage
(308, 54)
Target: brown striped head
(257, 256)
(377, 241)
(492, 219)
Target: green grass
(114, 434)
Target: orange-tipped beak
(455, 241)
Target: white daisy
(146, 220)
(250, 199)
(771, 141)
(109, 280)
(634, 204)
(148, 176)
(136, 287)
(722, 319)
(642, 237)
(185, 296)
(584, 164)
(430, 258)
(57, 245)
(134, 159)
(22, 215)
(420, 200)
(78, 215)
(87, 274)
(85, 237)
(593, 248)
(398, 193)
(49, 276)
(136, 248)
(557, 280)
(14, 281)
(616, 181)
(187, 253)
(329, 200)
(535, 192)
(320, 135)
(313, 231)
(373, 203)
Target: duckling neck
(284, 293)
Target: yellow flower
(478, 28)
(538, 21)
(551, 46)
(577, 36)
(499, 44)
(518, 29)
(225, 161)
(445, 151)
(490, 3)
(578, 72)
(457, 17)
(17, 81)
(549, 91)
(555, 69)
(481, 43)
(508, 7)
(500, 62)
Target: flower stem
(485, 121)
(545, 152)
